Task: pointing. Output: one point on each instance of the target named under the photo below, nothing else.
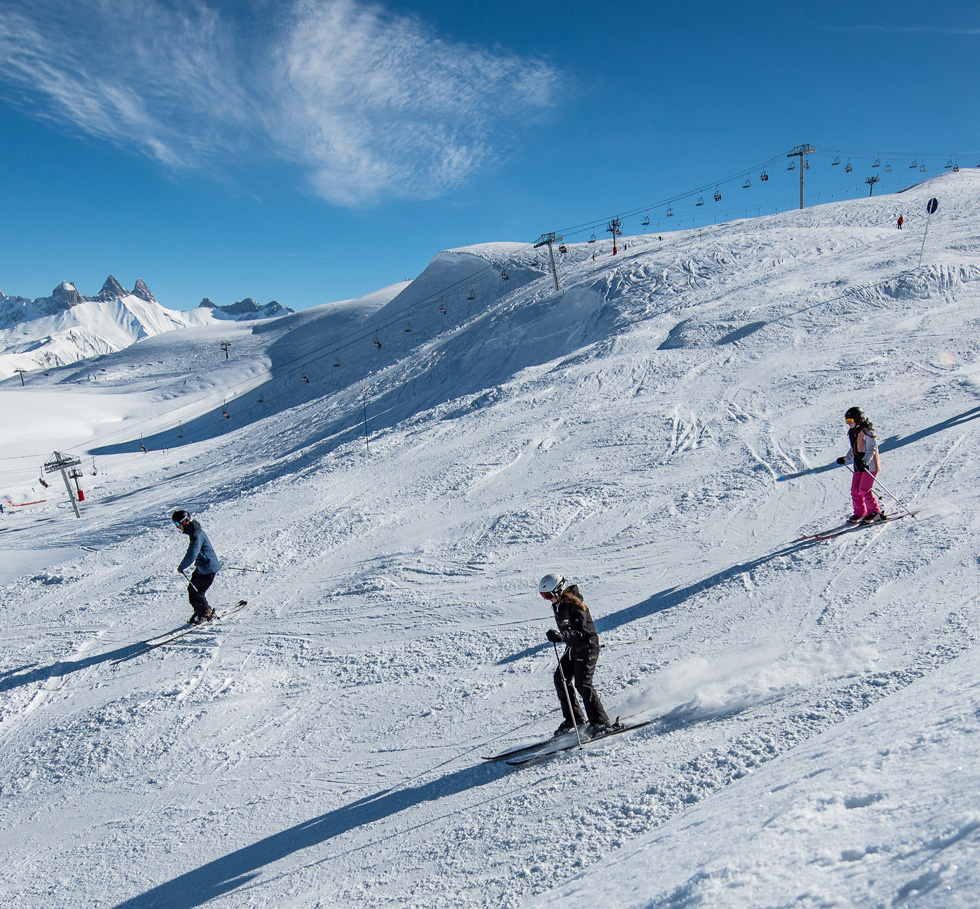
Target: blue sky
(316, 150)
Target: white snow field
(662, 432)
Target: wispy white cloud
(370, 104)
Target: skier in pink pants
(867, 463)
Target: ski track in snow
(662, 433)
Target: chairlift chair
(717, 195)
(670, 211)
(700, 201)
(835, 162)
(922, 169)
(764, 175)
(747, 184)
(888, 167)
(877, 162)
(592, 238)
(914, 164)
(646, 221)
(847, 167)
(792, 165)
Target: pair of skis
(558, 743)
(169, 636)
(848, 528)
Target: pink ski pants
(861, 495)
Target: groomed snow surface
(662, 432)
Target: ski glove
(859, 464)
(842, 460)
(556, 636)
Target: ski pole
(896, 498)
(232, 568)
(885, 488)
(189, 584)
(568, 695)
(620, 643)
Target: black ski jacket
(573, 618)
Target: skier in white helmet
(577, 631)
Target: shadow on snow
(225, 874)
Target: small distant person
(577, 631)
(901, 221)
(143, 448)
(867, 463)
(200, 553)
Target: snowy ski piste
(387, 479)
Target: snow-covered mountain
(387, 479)
(67, 326)
(245, 310)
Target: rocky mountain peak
(111, 290)
(143, 292)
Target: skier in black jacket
(577, 631)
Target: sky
(316, 150)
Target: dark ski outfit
(577, 631)
(200, 553)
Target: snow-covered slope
(386, 481)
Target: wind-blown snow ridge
(662, 431)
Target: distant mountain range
(68, 326)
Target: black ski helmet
(179, 516)
(855, 414)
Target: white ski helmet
(552, 584)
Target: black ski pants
(579, 666)
(196, 590)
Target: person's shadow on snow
(231, 871)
